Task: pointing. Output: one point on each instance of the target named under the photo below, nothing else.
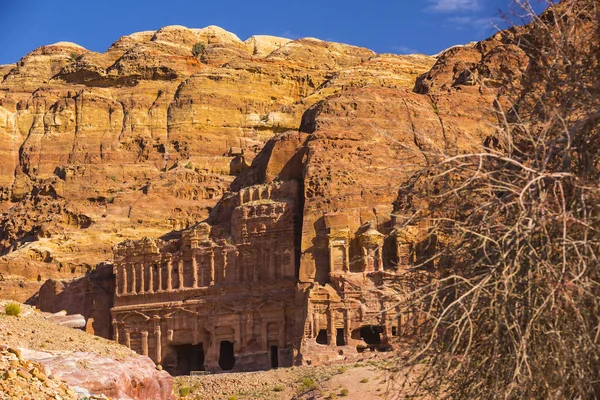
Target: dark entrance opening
(274, 357)
(322, 337)
(340, 340)
(371, 334)
(394, 331)
(189, 358)
(226, 357)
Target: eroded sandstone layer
(97, 148)
(303, 260)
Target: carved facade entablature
(371, 243)
(339, 254)
(199, 234)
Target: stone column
(115, 330)
(159, 269)
(379, 258)
(272, 265)
(346, 258)
(151, 278)
(142, 279)
(133, 279)
(330, 327)
(330, 258)
(127, 338)
(263, 336)
(169, 272)
(224, 257)
(194, 270)
(158, 343)
(124, 277)
(212, 267)
(347, 330)
(180, 271)
(145, 343)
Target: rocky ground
(78, 364)
(377, 375)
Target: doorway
(226, 356)
(189, 358)
(274, 357)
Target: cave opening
(226, 356)
(189, 358)
(340, 339)
(274, 357)
(371, 334)
(322, 337)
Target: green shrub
(74, 56)
(184, 390)
(189, 165)
(345, 392)
(232, 398)
(278, 388)
(308, 384)
(364, 380)
(198, 49)
(13, 309)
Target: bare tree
(512, 305)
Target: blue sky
(394, 26)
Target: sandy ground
(378, 377)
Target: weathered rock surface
(303, 261)
(89, 296)
(88, 364)
(133, 377)
(23, 379)
(145, 137)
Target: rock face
(45, 355)
(130, 378)
(97, 148)
(90, 296)
(303, 261)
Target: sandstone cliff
(144, 138)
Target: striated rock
(70, 321)
(89, 297)
(129, 378)
(43, 358)
(97, 148)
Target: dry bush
(512, 305)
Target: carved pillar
(331, 258)
(194, 270)
(347, 330)
(115, 330)
(169, 273)
(180, 271)
(193, 322)
(159, 277)
(330, 327)
(224, 257)
(124, 278)
(263, 336)
(145, 343)
(365, 259)
(157, 340)
(133, 279)
(272, 265)
(379, 258)
(212, 267)
(142, 279)
(151, 278)
(346, 258)
(127, 338)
